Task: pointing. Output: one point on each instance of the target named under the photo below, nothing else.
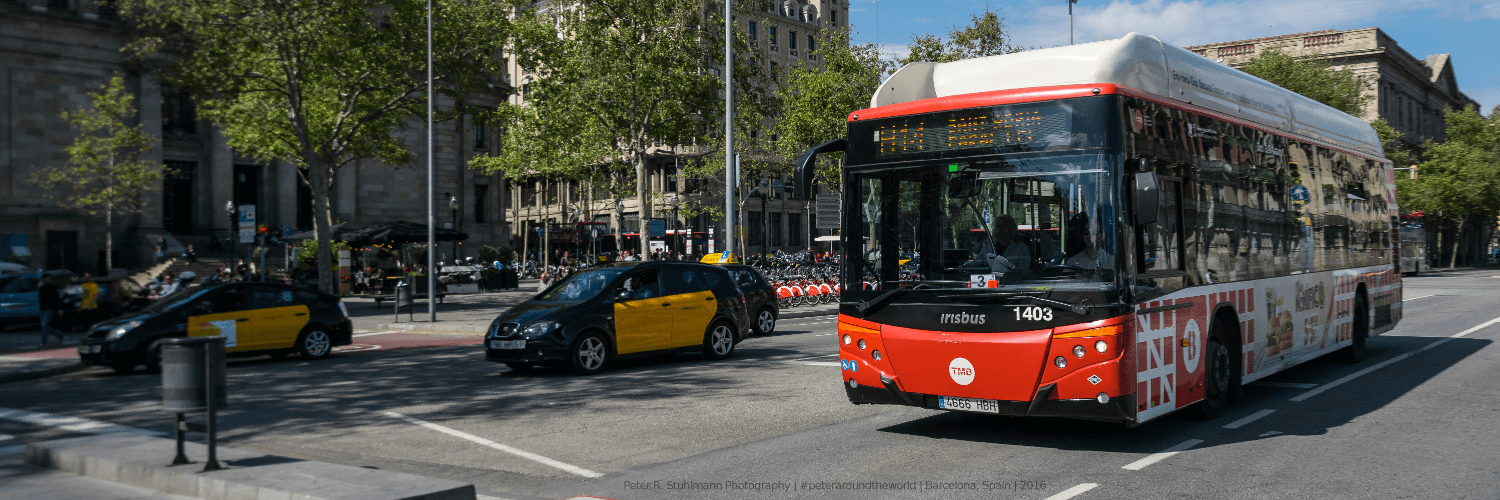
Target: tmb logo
(961, 370)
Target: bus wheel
(1217, 378)
(1356, 350)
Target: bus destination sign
(996, 127)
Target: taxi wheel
(589, 355)
(153, 358)
(314, 344)
(718, 343)
(765, 321)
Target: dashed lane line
(485, 442)
(1404, 299)
(71, 423)
(1163, 455)
(1289, 385)
(1246, 421)
(6, 437)
(1073, 492)
(1388, 362)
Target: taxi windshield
(581, 286)
(170, 301)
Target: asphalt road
(1414, 420)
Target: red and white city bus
(1109, 231)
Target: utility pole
(1070, 21)
(729, 157)
(431, 219)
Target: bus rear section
(1078, 371)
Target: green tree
(1340, 89)
(815, 104)
(1460, 178)
(320, 84)
(616, 83)
(107, 170)
(984, 36)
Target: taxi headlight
(540, 328)
(494, 328)
(121, 330)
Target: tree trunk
(645, 216)
(321, 181)
(1453, 259)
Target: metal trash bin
(193, 380)
(184, 362)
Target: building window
(671, 180)
(481, 136)
(773, 70)
(757, 229)
(57, 4)
(481, 203)
(772, 31)
(106, 9)
(812, 43)
(791, 39)
(528, 193)
(833, 18)
(754, 33)
(177, 113)
(776, 239)
(794, 229)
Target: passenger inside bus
(1083, 251)
(1015, 254)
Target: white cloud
(894, 50)
(921, 20)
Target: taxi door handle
(242, 319)
(300, 314)
(666, 304)
(710, 298)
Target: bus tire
(1357, 351)
(1218, 378)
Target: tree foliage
(984, 36)
(107, 171)
(1340, 89)
(816, 102)
(319, 84)
(1460, 176)
(614, 83)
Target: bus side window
(1160, 245)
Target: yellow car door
(276, 317)
(643, 320)
(692, 303)
(221, 313)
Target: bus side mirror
(1145, 199)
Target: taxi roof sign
(720, 258)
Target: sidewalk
(472, 313)
(22, 356)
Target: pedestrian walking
(241, 269)
(191, 255)
(50, 301)
(161, 248)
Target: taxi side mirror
(624, 295)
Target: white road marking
(12, 450)
(1074, 491)
(1157, 457)
(371, 333)
(1253, 417)
(71, 423)
(346, 382)
(1291, 385)
(1415, 298)
(514, 451)
(1388, 362)
(4, 437)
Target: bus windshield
(990, 222)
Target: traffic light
(1413, 172)
(1497, 222)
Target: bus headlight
(876, 354)
(1078, 351)
(1060, 362)
(861, 344)
(1103, 398)
(1101, 346)
(847, 340)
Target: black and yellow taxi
(618, 310)
(254, 318)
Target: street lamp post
(676, 229)
(233, 226)
(453, 209)
(1070, 21)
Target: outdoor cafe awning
(398, 232)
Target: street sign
(657, 228)
(828, 211)
(247, 223)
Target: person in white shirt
(1090, 256)
(1014, 253)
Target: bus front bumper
(1118, 409)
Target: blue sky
(1465, 29)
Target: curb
(480, 330)
(806, 314)
(50, 372)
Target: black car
(625, 309)
(255, 318)
(760, 297)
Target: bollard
(193, 380)
(403, 299)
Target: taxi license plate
(968, 404)
(507, 344)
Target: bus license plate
(967, 404)
(507, 344)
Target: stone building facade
(53, 52)
(1409, 92)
